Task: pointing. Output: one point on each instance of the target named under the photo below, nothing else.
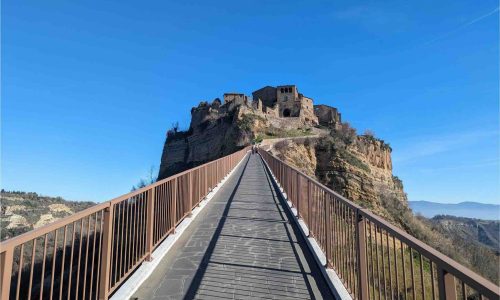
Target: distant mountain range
(464, 209)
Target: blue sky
(89, 88)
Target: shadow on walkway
(242, 246)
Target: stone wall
(267, 95)
(327, 115)
(307, 110)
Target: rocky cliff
(216, 130)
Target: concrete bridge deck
(243, 245)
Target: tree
(150, 179)
(369, 132)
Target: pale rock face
(364, 175)
(299, 155)
(17, 221)
(44, 220)
(60, 208)
(10, 210)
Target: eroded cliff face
(299, 153)
(214, 132)
(360, 170)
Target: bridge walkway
(241, 246)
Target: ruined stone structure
(327, 116)
(287, 102)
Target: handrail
(89, 254)
(370, 255)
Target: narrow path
(241, 246)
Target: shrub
(258, 139)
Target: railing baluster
(361, 257)
(43, 265)
(20, 271)
(150, 223)
(404, 270)
(100, 256)
(70, 273)
(413, 289)
(328, 218)
(422, 284)
(54, 255)
(86, 259)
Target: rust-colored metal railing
(373, 258)
(89, 254)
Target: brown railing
(374, 259)
(89, 254)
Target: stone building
(287, 101)
(327, 116)
(235, 97)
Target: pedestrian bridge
(246, 226)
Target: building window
(286, 113)
(282, 90)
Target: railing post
(327, 229)
(446, 285)
(298, 194)
(190, 189)
(6, 269)
(174, 196)
(309, 206)
(150, 223)
(107, 242)
(361, 257)
(206, 180)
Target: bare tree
(369, 132)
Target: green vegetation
(274, 132)
(353, 160)
(445, 238)
(258, 139)
(247, 121)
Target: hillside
(476, 240)
(481, 232)
(464, 209)
(21, 212)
